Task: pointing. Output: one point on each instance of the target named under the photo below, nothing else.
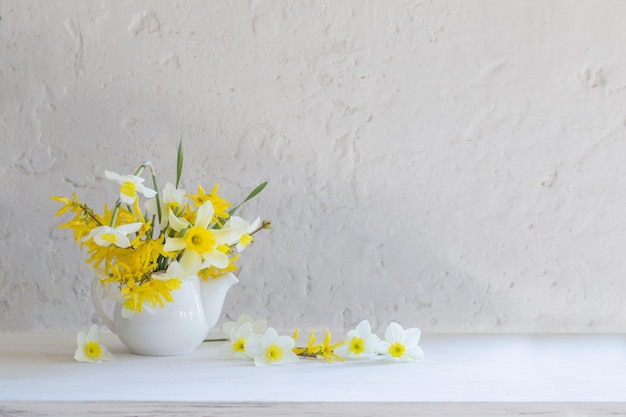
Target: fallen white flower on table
(361, 343)
(239, 338)
(400, 344)
(272, 349)
(89, 347)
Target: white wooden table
(570, 375)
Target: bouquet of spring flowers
(141, 252)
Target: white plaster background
(452, 165)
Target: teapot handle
(97, 301)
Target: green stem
(156, 188)
(116, 210)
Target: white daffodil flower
(258, 326)
(244, 228)
(171, 198)
(271, 349)
(130, 185)
(200, 245)
(361, 343)
(400, 344)
(89, 347)
(106, 235)
(239, 337)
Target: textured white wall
(453, 165)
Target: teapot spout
(213, 293)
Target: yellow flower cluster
(133, 250)
(322, 350)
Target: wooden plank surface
(480, 374)
(261, 409)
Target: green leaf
(253, 194)
(179, 161)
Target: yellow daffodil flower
(201, 245)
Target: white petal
(94, 333)
(113, 176)
(363, 329)
(151, 207)
(253, 347)
(244, 318)
(228, 327)
(226, 350)
(122, 241)
(80, 339)
(129, 228)
(415, 353)
(80, 355)
(226, 235)
(96, 231)
(177, 223)
(214, 258)
(286, 343)
(289, 357)
(127, 199)
(105, 355)
(394, 333)
(101, 242)
(131, 178)
(174, 243)
(204, 214)
(259, 326)
(260, 359)
(412, 337)
(238, 223)
(382, 347)
(245, 330)
(174, 195)
(148, 192)
(269, 336)
(254, 225)
(169, 193)
(191, 262)
(175, 270)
